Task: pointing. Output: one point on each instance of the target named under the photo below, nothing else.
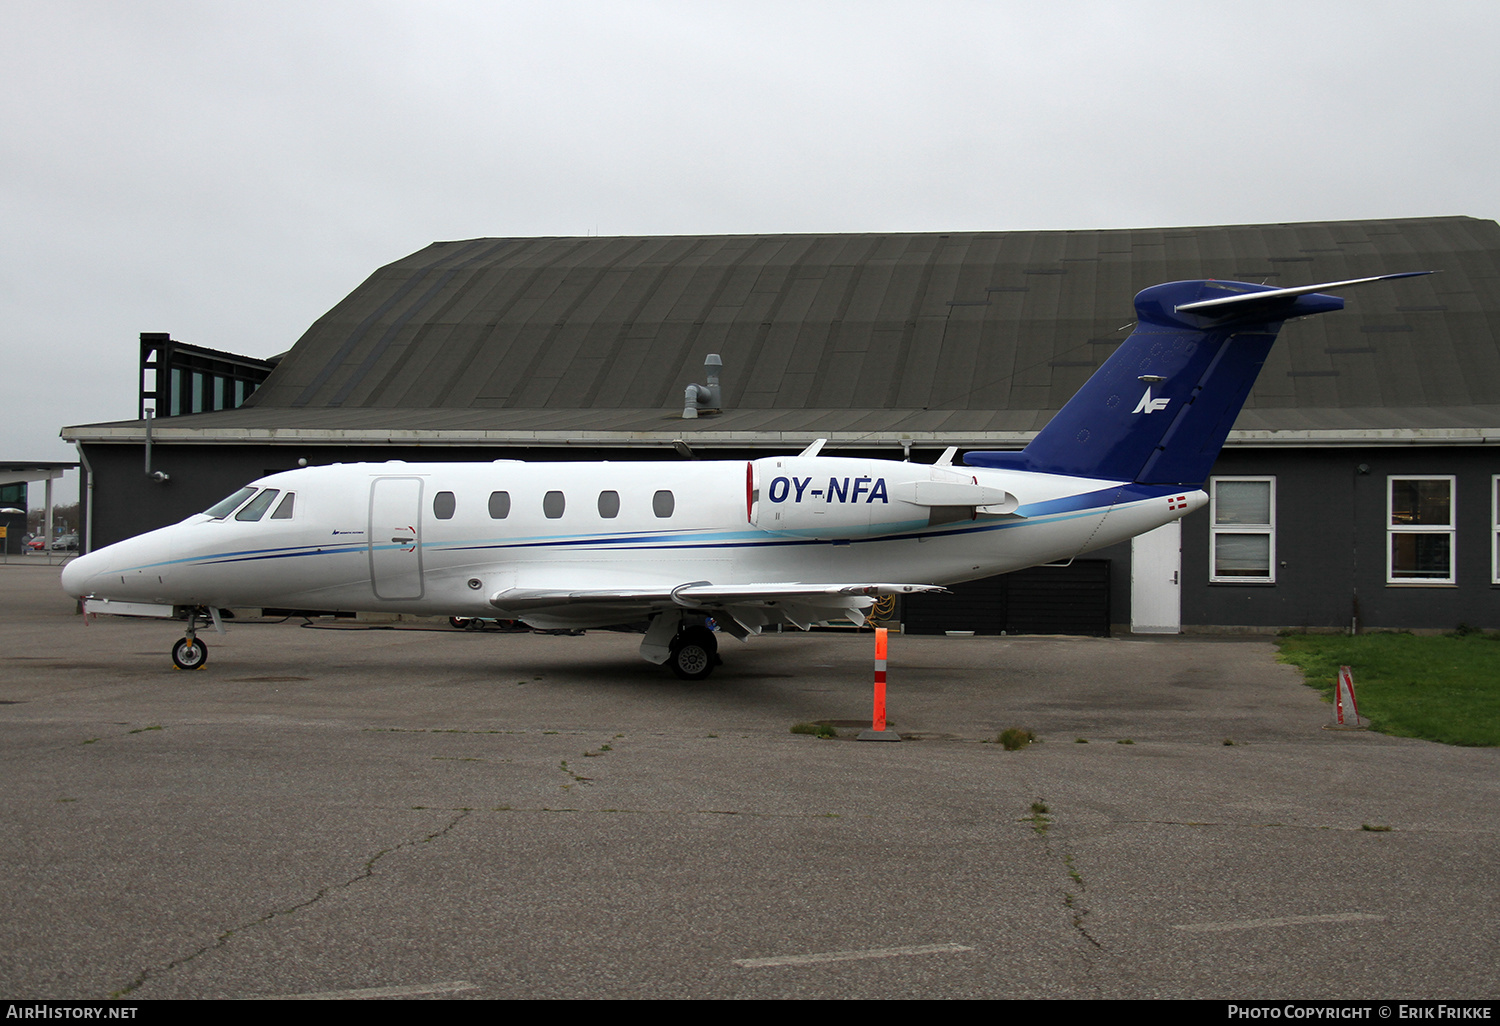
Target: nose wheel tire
(189, 654)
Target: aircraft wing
(751, 606)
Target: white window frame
(1393, 530)
(1495, 529)
(1215, 529)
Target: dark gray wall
(1331, 539)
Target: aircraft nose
(80, 572)
(131, 570)
(125, 571)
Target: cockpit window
(284, 509)
(256, 507)
(220, 510)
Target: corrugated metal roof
(943, 334)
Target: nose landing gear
(190, 653)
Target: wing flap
(751, 605)
(706, 594)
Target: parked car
(66, 542)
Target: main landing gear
(694, 653)
(691, 651)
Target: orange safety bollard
(878, 730)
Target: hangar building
(1360, 487)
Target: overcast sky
(227, 171)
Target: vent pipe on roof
(704, 398)
(156, 475)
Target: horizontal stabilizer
(1262, 301)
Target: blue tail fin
(1159, 409)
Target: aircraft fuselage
(453, 538)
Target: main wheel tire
(694, 653)
(190, 654)
(460, 622)
(702, 636)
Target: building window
(662, 503)
(553, 504)
(609, 505)
(499, 505)
(443, 505)
(1242, 533)
(1419, 529)
(1495, 530)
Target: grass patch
(1443, 689)
(815, 729)
(1015, 738)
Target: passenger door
(396, 537)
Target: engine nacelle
(832, 497)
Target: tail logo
(1150, 405)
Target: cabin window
(499, 505)
(1419, 530)
(553, 504)
(443, 505)
(284, 508)
(1242, 530)
(609, 505)
(662, 503)
(256, 507)
(224, 507)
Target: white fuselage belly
(367, 537)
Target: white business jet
(782, 539)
